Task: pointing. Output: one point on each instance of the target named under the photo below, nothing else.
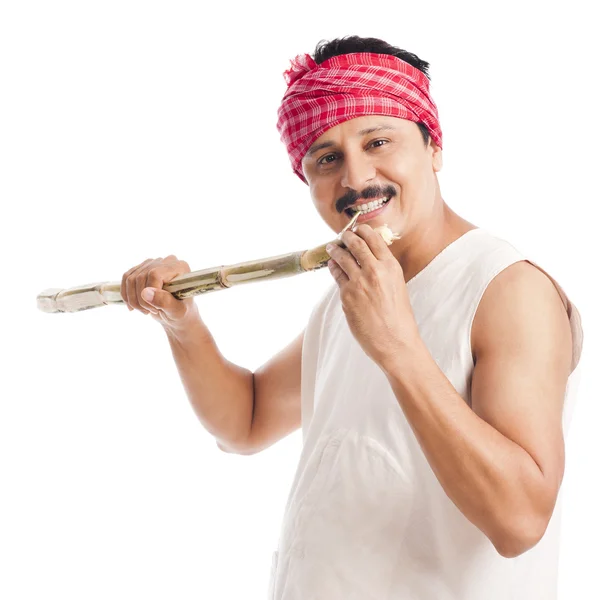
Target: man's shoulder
(519, 300)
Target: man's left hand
(373, 294)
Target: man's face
(368, 158)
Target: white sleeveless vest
(366, 518)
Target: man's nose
(357, 172)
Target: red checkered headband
(321, 96)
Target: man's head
(359, 125)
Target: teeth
(364, 208)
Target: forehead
(360, 126)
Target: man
(432, 377)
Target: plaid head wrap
(321, 96)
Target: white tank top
(366, 518)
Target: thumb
(163, 300)
(148, 294)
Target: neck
(422, 243)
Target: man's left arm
(501, 461)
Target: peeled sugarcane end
(83, 297)
(46, 300)
(387, 234)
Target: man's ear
(436, 156)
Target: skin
(396, 157)
(500, 460)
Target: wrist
(402, 356)
(191, 326)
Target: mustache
(367, 194)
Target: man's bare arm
(246, 412)
(276, 411)
(501, 462)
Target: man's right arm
(246, 412)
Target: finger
(141, 279)
(124, 289)
(131, 284)
(337, 273)
(359, 248)
(163, 299)
(156, 277)
(374, 241)
(344, 259)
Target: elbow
(520, 539)
(525, 522)
(227, 449)
(512, 547)
(236, 448)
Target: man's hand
(373, 294)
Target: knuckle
(155, 280)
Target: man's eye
(378, 143)
(326, 159)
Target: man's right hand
(170, 312)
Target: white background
(134, 130)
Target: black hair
(353, 43)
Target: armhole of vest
(507, 259)
(572, 312)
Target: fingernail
(329, 247)
(148, 294)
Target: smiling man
(434, 381)
(437, 374)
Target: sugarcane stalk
(92, 295)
